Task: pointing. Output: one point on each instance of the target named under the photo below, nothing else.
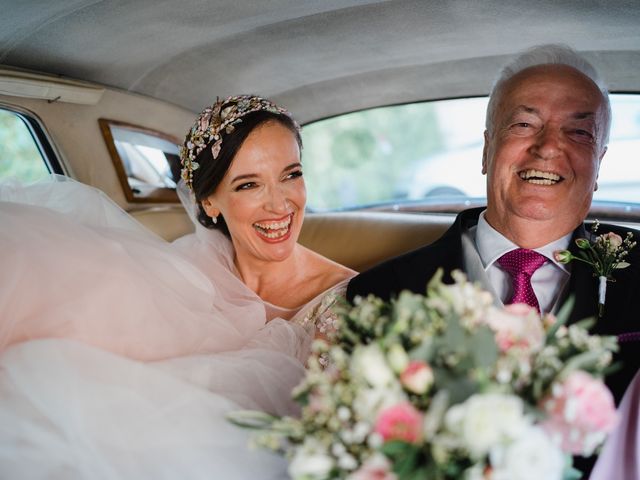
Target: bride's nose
(277, 200)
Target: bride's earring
(214, 219)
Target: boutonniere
(605, 254)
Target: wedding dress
(121, 354)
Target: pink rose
(400, 422)
(615, 240)
(581, 411)
(516, 325)
(417, 377)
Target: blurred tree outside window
(432, 151)
(20, 157)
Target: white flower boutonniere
(605, 254)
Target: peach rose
(417, 377)
(516, 325)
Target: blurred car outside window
(430, 154)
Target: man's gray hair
(551, 54)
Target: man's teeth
(538, 177)
(274, 229)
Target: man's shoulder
(407, 271)
(412, 270)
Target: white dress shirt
(548, 281)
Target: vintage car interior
(102, 91)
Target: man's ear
(604, 150)
(208, 205)
(484, 153)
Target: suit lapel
(582, 284)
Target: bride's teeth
(538, 177)
(275, 229)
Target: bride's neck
(262, 276)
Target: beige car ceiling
(319, 58)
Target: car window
(430, 154)
(146, 161)
(20, 154)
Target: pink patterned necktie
(521, 264)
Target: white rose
(370, 363)
(310, 462)
(486, 420)
(530, 457)
(369, 401)
(397, 357)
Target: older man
(546, 134)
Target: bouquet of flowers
(445, 386)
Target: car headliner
(319, 58)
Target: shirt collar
(491, 245)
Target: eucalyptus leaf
(484, 350)
(458, 388)
(562, 317)
(582, 361)
(251, 419)
(424, 351)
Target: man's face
(544, 151)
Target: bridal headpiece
(216, 121)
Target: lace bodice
(318, 317)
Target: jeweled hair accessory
(213, 122)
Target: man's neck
(531, 234)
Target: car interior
(103, 92)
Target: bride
(121, 354)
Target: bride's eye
(245, 186)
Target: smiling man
(547, 128)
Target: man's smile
(538, 177)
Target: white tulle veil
(120, 353)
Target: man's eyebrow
(534, 111)
(292, 166)
(584, 115)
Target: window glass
(20, 156)
(147, 161)
(431, 153)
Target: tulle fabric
(120, 354)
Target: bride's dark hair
(211, 171)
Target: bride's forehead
(268, 147)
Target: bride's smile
(274, 230)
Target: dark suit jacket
(413, 270)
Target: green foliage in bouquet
(445, 386)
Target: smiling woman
(224, 318)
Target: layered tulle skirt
(120, 355)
